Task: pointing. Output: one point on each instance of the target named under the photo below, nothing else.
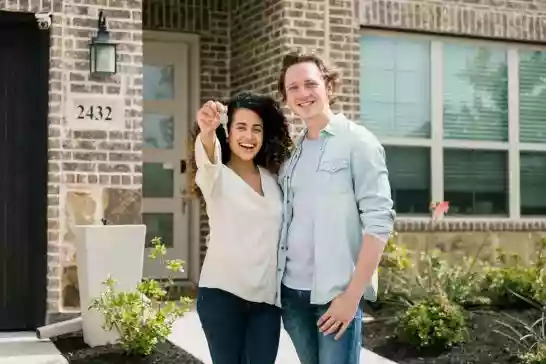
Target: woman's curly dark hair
(277, 143)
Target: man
(337, 218)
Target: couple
(296, 234)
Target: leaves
(434, 323)
(143, 318)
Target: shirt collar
(332, 128)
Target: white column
(437, 118)
(514, 191)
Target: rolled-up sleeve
(207, 171)
(372, 187)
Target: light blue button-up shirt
(355, 199)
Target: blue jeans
(300, 321)
(238, 331)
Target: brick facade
(242, 42)
(89, 171)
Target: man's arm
(373, 197)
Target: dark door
(24, 67)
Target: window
(452, 127)
(476, 182)
(395, 87)
(532, 96)
(533, 183)
(475, 93)
(409, 172)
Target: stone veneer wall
(95, 173)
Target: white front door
(166, 211)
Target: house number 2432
(94, 112)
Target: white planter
(103, 251)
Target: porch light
(102, 52)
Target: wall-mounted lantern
(102, 52)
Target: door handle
(183, 166)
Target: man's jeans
(238, 331)
(313, 347)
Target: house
(456, 92)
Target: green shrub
(433, 323)
(510, 275)
(143, 318)
(500, 282)
(460, 282)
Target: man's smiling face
(306, 91)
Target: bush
(433, 275)
(510, 275)
(460, 282)
(433, 323)
(143, 318)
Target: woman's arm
(208, 157)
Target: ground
(73, 348)
(482, 346)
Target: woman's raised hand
(208, 117)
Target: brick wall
(501, 19)
(257, 44)
(89, 171)
(263, 31)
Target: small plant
(143, 318)
(461, 282)
(433, 275)
(432, 323)
(530, 337)
(510, 275)
(395, 262)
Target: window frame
(437, 143)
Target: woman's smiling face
(246, 134)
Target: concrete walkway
(25, 348)
(188, 335)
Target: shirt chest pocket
(335, 175)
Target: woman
(236, 174)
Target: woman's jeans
(300, 318)
(238, 331)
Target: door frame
(38, 260)
(192, 41)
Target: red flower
(439, 209)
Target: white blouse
(244, 229)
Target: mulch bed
(76, 351)
(483, 345)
